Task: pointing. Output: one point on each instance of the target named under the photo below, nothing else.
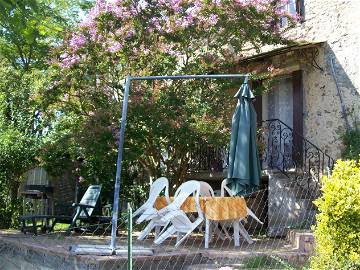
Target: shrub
(337, 232)
(17, 155)
(351, 140)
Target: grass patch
(266, 262)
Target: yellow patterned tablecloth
(214, 208)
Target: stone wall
(335, 22)
(289, 205)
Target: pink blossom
(130, 34)
(77, 41)
(115, 46)
(156, 23)
(69, 61)
(213, 19)
(216, 2)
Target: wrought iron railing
(205, 157)
(281, 149)
(293, 155)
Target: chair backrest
(206, 190)
(90, 197)
(157, 186)
(184, 191)
(224, 188)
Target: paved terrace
(51, 251)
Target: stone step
(302, 240)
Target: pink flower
(115, 46)
(77, 41)
(130, 34)
(69, 61)
(216, 2)
(213, 19)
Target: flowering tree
(159, 37)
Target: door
(282, 108)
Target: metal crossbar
(122, 133)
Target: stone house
(318, 88)
(315, 98)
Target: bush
(351, 140)
(17, 155)
(337, 232)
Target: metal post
(118, 166)
(129, 237)
(188, 77)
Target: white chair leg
(178, 243)
(146, 230)
(157, 231)
(171, 230)
(244, 233)
(207, 233)
(236, 233)
(251, 213)
(178, 237)
(223, 226)
(193, 227)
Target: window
(295, 8)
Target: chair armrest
(82, 205)
(106, 210)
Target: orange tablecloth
(214, 208)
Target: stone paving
(51, 251)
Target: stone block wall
(289, 205)
(336, 23)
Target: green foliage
(20, 127)
(337, 232)
(30, 28)
(351, 141)
(17, 154)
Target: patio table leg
(236, 225)
(33, 219)
(23, 227)
(207, 233)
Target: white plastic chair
(206, 190)
(178, 220)
(147, 209)
(224, 188)
(238, 226)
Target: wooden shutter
(298, 117)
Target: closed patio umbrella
(244, 165)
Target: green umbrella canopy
(244, 165)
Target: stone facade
(336, 23)
(333, 26)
